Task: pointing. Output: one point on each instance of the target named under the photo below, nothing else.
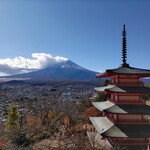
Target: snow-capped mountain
(66, 70)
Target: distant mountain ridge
(66, 70)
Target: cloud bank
(18, 65)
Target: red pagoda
(126, 120)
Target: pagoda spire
(124, 48)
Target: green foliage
(106, 82)
(13, 119)
(12, 124)
(86, 102)
(146, 97)
(101, 97)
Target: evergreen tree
(12, 124)
(13, 118)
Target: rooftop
(129, 109)
(122, 108)
(120, 130)
(130, 130)
(103, 88)
(125, 70)
(129, 89)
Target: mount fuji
(63, 71)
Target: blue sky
(88, 32)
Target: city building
(126, 117)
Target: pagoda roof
(103, 125)
(129, 89)
(130, 130)
(129, 109)
(120, 130)
(125, 70)
(103, 105)
(103, 88)
(122, 108)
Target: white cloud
(10, 66)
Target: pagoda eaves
(125, 70)
(112, 108)
(120, 130)
(129, 89)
